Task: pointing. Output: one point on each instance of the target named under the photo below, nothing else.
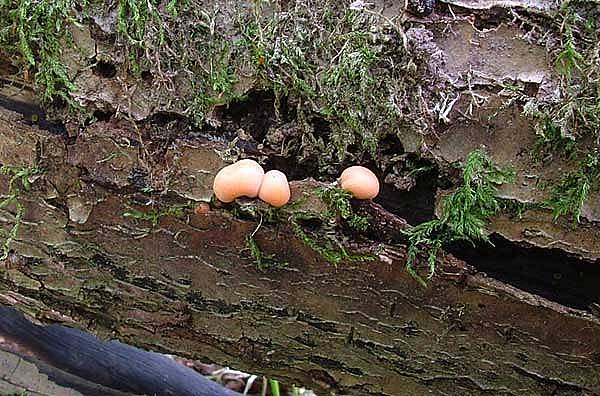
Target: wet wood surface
(188, 286)
(101, 249)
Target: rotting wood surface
(188, 287)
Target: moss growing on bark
(135, 19)
(35, 31)
(342, 73)
(317, 228)
(345, 65)
(326, 242)
(19, 181)
(182, 43)
(569, 196)
(338, 201)
(571, 126)
(465, 212)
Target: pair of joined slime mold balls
(246, 178)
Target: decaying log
(188, 286)
(108, 241)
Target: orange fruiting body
(241, 179)
(360, 182)
(275, 189)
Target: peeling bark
(187, 287)
(99, 250)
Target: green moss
(37, 31)
(467, 209)
(338, 201)
(327, 244)
(332, 62)
(326, 240)
(317, 230)
(280, 61)
(222, 77)
(465, 212)
(569, 196)
(181, 43)
(571, 127)
(153, 216)
(263, 261)
(141, 25)
(327, 61)
(569, 59)
(550, 141)
(19, 182)
(577, 114)
(216, 85)
(429, 237)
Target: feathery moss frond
(465, 212)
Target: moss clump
(577, 115)
(465, 212)
(215, 84)
(338, 201)
(141, 27)
(319, 230)
(571, 127)
(184, 44)
(19, 182)
(36, 30)
(337, 63)
(568, 196)
(342, 73)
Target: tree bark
(188, 286)
(110, 243)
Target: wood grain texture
(188, 286)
